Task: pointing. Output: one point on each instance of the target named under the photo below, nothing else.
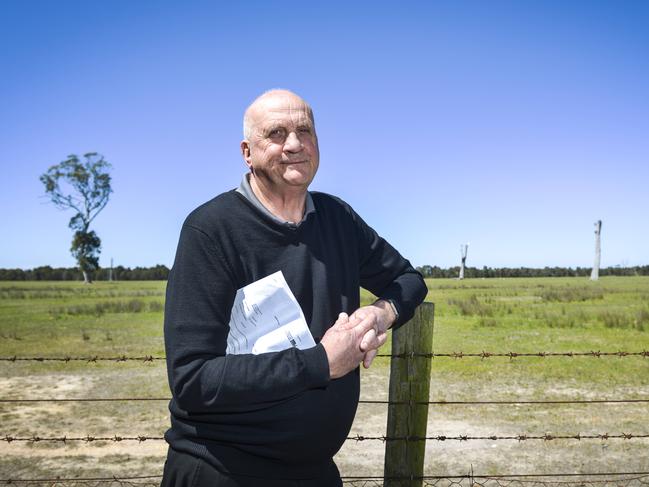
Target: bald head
(272, 99)
(280, 145)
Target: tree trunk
(86, 277)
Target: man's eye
(304, 130)
(276, 133)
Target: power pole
(463, 251)
(594, 275)
(110, 273)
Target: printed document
(266, 317)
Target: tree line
(161, 272)
(119, 273)
(485, 272)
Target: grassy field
(474, 315)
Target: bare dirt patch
(356, 458)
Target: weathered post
(409, 389)
(463, 251)
(594, 275)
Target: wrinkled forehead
(282, 109)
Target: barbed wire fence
(629, 479)
(433, 355)
(606, 479)
(612, 479)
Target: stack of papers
(266, 317)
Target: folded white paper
(266, 317)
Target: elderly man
(276, 418)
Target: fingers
(371, 354)
(369, 357)
(373, 340)
(367, 323)
(368, 340)
(342, 321)
(346, 322)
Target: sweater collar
(246, 190)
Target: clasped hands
(357, 338)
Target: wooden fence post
(409, 383)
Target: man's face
(282, 148)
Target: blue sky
(512, 125)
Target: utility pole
(110, 273)
(463, 251)
(594, 275)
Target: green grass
(473, 315)
(70, 318)
(536, 315)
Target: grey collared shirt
(245, 189)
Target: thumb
(343, 318)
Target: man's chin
(297, 178)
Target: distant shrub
(613, 319)
(569, 294)
(471, 306)
(156, 306)
(554, 320)
(487, 322)
(642, 319)
(115, 306)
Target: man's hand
(379, 316)
(342, 342)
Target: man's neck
(286, 205)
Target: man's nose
(292, 143)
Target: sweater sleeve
(202, 378)
(387, 274)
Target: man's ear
(245, 151)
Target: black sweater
(274, 415)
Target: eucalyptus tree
(82, 186)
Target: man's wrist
(389, 307)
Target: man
(277, 418)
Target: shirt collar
(246, 190)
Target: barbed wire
(432, 355)
(512, 355)
(519, 437)
(88, 359)
(137, 481)
(357, 438)
(85, 439)
(630, 479)
(361, 401)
